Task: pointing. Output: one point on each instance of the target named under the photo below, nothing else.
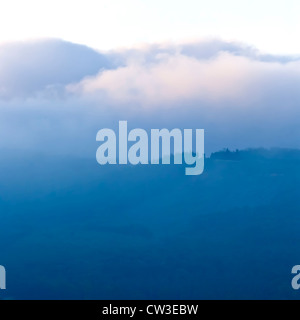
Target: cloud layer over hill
(53, 93)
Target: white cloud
(240, 97)
(170, 78)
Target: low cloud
(34, 68)
(173, 76)
(55, 96)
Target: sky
(231, 68)
(270, 25)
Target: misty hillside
(71, 228)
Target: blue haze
(71, 229)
